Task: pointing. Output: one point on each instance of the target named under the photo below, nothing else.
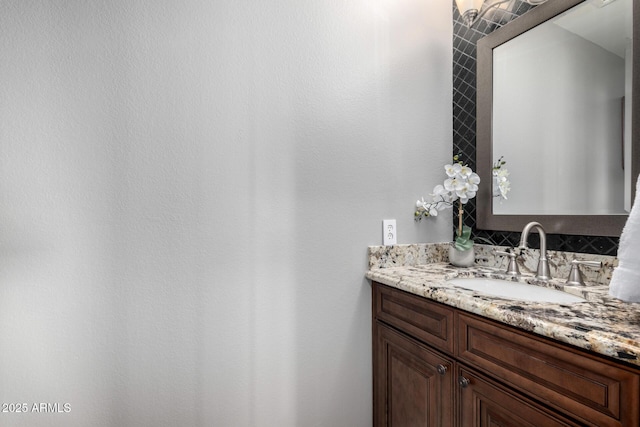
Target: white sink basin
(514, 290)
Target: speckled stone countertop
(601, 324)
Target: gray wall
(577, 132)
(187, 190)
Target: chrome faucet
(543, 265)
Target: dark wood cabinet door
(484, 403)
(413, 386)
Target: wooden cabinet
(435, 365)
(415, 384)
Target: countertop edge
(547, 320)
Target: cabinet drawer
(592, 390)
(484, 402)
(425, 320)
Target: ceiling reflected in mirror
(473, 10)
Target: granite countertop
(601, 324)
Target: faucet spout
(543, 264)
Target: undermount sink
(514, 290)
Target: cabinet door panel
(484, 403)
(414, 385)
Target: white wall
(187, 191)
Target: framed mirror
(566, 126)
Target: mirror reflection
(560, 94)
(555, 89)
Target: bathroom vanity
(447, 356)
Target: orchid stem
(460, 211)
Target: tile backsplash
(464, 131)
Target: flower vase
(461, 258)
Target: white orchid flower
(469, 185)
(441, 197)
(465, 171)
(501, 173)
(504, 189)
(453, 170)
(439, 190)
(451, 184)
(466, 191)
(501, 182)
(429, 208)
(460, 184)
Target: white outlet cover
(389, 232)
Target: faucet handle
(575, 275)
(512, 268)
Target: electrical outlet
(389, 236)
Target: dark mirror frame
(588, 225)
